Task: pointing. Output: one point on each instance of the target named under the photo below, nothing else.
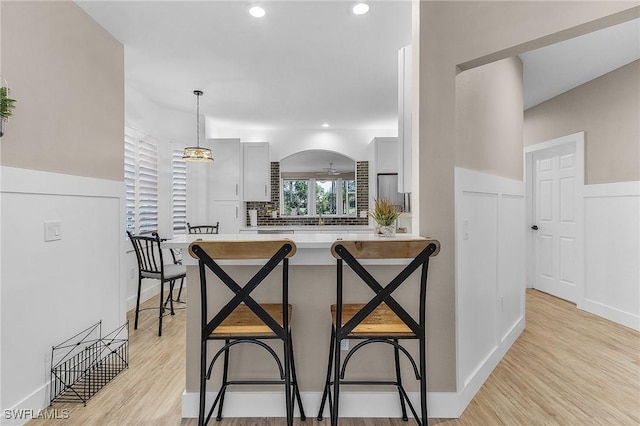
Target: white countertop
(335, 228)
(312, 249)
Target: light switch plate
(52, 230)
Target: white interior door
(554, 221)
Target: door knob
(534, 227)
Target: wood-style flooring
(567, 368)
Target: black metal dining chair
(203, 229)
(381, 320)
(151, 265)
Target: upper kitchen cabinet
(386, 155)
(226, 169)
(405, 87)
(256, 172)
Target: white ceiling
(560, 67)
(307, 62)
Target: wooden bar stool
(243, 320)
(381, 320)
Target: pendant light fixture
(195, 153)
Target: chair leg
(287, 379)
(180, 291)
(172, 284)
(203, 381)
(294, 378)
(161, 308)
(327, 382)
(396, 354)
(135, 325)
(336, 381)
(423, 383)
(225, 376)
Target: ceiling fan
(329, 170)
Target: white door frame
(578, 140)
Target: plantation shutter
(130, 179)
(179, 192)
(147, 186)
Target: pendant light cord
(197, 93)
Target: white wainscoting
(490, 274)
(53, 290)
(612, 252)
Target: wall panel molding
(490, 274)
(612, 252)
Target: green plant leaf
(7, 104)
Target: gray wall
(67, 74)
(489, 118)
(460, 35)
(607, 109)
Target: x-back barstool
(243, 320)
(381, 320)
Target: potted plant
(385, 215)
(6, 106)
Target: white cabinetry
(386, 158)
(226, 169)
(256, 172)
(404, 118)
(224, 185)
(198, 201)
(228, 214)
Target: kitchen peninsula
(312, 278)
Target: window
(141, 181)
(349, 197)
(312, 197)
(179, 192)
(326, 196)
(295, 197)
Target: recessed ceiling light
(257, 12)
(325, 124)
(360, 8)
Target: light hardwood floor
(567, 368)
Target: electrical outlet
(344, 345)
(52, 230)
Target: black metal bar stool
(243, 320)
(381, 320)
(203, 229)
(151, 266)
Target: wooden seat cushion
(381, 322)
(244, 322)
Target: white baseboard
(150, 291)
(147, 293)
(22, 412)
(612, 314)
(352, 404)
